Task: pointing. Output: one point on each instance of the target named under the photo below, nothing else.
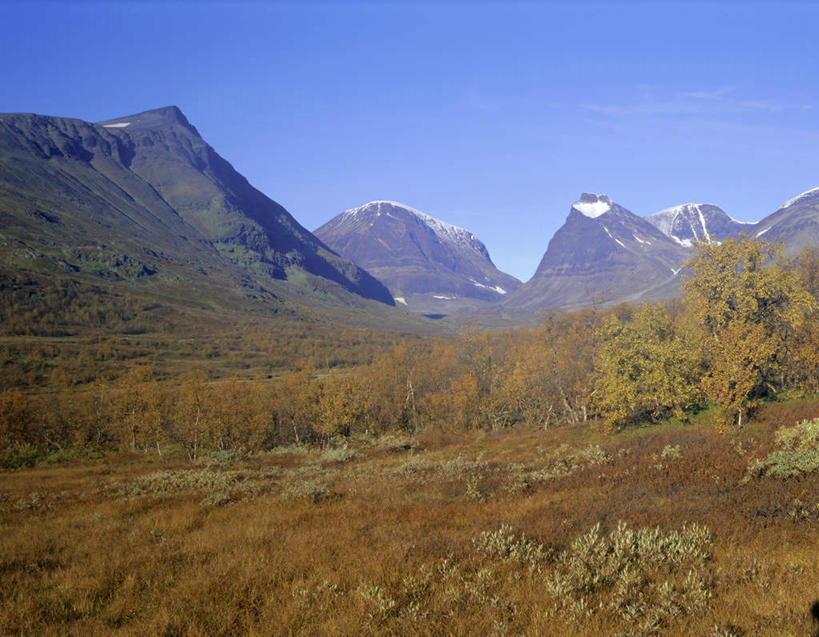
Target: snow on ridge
(400, 299)
(443, 230)
(665, 219)
(790, 202)
(117, 125)
(761, 232)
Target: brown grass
(386, 542)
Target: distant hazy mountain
(427, 264)
(145, 198)
(795, 223)
(602, 253)
(692, 222)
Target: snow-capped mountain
(795, 223)
(692, 222)
(427, 264)
(603, 253)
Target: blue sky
(491, 116)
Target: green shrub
(72, 454)
(641, 575)
(221, 457)
(339, 454)
(787, 464)
(19, 455)
(799, 454)
(314, 489)
(504, 545)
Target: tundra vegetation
(638, 471)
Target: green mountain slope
(144, 203)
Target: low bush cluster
(798, 456)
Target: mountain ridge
(77, 197)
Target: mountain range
(144, 203)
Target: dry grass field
(656, 530)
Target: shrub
(165, 482)
(671, 452)
(340, 454)
(288, 450)
(72, 454)
(799, 455)
(504, 545)
(221, 457)
(220, 498)
(19, 455)
(315, 489)
(637, 574)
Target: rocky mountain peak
(592, 205)
(154, 118)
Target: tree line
(745, 330)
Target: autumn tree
(644, 369)
(241, 416)
(192, 417)
(746, 302)
(803, 345)
(340, 407)
(16, 417)
(294, 400)
(136, 409)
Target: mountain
(696, 222)
(603, 253)
(143, 200)
(795, 223)
(427, 264)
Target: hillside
(143, 205)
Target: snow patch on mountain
(401, 300)
(496, 288)
(117, 125)
(702, 223)
(613, 237)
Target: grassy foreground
(659, 530)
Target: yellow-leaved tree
(644, 368)
(745, 301)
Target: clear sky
(491, 116)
